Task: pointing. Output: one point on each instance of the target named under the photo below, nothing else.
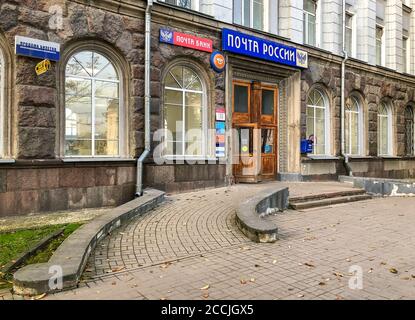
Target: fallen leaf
(309, 265)
(383, 263)
(413, 276)
(300, 295)
(205, 287)
(393, 270)
(338, 274)
(39, 297)
(163, 299)
(405, 278)
(274, 262)
(114, 283)
(206, 295)
(348, 260)
(257, 266)
(165, 265)
(118, 269)
(243, 281)
(321, 283)
(252, 280)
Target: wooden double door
(255, 124)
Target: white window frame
(326, 107)
(359, 113)
(406, 54)
(265, 16)
(317, 15)
(121, 111)
(206, 150)
(382, 46)
(389, 117)
(353, 49)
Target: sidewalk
(190, 248)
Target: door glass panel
(241, 99)
(268, 102)
(246, 146)
(267, 141)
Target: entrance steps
(327, 199)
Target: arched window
(384, 130)
(318, 121)
(409, 131)
(184, 112)
(92, 106)
(353, 127)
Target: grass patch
(14, 243)
(45, 254)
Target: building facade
(70, 137)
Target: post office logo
(218, 61)
(302, 59)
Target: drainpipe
(343, 98)
(146, 152)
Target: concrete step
(329, 201)
(327, 195)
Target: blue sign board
(36, 48)
(245, 44)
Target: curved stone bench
(69, 260)
(249, 214)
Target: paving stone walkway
(190, 248)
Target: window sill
(357, 157)
(6, 161)
(95, 159)
(389, 157)
(179, 158)
(322, 157)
